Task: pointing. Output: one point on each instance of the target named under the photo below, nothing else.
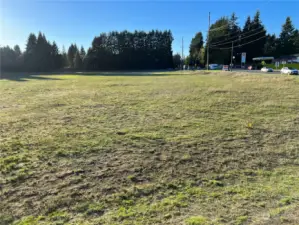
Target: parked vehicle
(213, 66)
(290, 71)
(265, 69)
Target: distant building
(267, 59)
(288, 58)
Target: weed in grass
(197, 220)
(95, 209)
(215, 183)
(285, 201)
(241, 220)
(6, 219)
(59, 217)
(30, 220)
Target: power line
(226, 25)
(241, 38)
(243, 44)
(240, 34)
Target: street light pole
(232, 54)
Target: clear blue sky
(78, 21)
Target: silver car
(289, 71)
(265, 69)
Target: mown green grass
(291, 65)
(169, 148)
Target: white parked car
(290, 71)
(265, 69)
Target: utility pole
(232, 55)
(182, 53)
(208, 41)
(182, 47)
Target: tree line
(153, 50)
(109, 51)
(252, 39)
(40, 55)
(126, 50)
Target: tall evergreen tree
(30, 53)
(43, 54)
(17, 50)
(64, 57)
(253, 37)
(31, 43)
(195, 48)
(247, 30)
(78, 61)
(270, 48)
(234, 28)
(287, 38)
(82, 52)
(296, 41)
(177, 60)
(56, 58)
(260, 36)
(7, 59)
(219, 39)
(71, 54)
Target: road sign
(277, 64)
(225, 67)
(243, 59)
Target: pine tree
(31, 43)
(71, 54)
(30, 53)
(17, 50)
(253, 31)
(270, 48)
(82, 52)
(64, 57)
(7, 59)
(78, 61)
(296, 41)
(234, 26)
(43, 60)
(177, 60)
(247, 25)
(287, 38)
(219, 38)
(259, 38)
(195, 47)
(56, 58)
(246, 31)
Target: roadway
(256, 71)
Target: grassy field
(194, 149)
(294, 65)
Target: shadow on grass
(25, 76)
(124, 73)
(22, 77)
